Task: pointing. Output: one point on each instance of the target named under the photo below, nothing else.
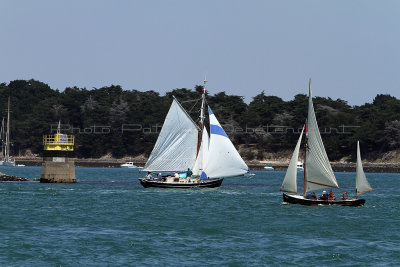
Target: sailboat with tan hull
(186, 156)
(318, 173)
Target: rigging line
(191, 100)
(193, 105)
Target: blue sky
(350, 49)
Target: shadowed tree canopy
(127, 122)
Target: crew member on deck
(189, 173)
(332, 195)
(311, 196)
(324, 196)
(149, 176)
(345, 195)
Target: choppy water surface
(108, 219)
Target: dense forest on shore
(126, 122)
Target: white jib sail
(202, 155)
(176, 146)
(223, 159)
(362, 184)
(290, 182)
(318, 169)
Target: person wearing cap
(324, 196)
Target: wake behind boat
(318, 172)
(186, 149)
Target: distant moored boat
(130, 165)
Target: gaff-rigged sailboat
(318, 172)
(5, 139)
(183, 145)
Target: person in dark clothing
(311, 196)
(189, 173)
(324, 196)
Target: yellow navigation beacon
(58, 158)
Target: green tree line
(126, 122)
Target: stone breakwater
(5, 178)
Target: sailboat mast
(202, 116)
(305, 160)
(203, 100)
(2, 139)
(7, 153)
(306, 146)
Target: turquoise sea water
(108, 219)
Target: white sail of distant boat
(7, 160)
(175, 148)
(362, 185)
(223, 158)
(290, 182)
(3, 139)
(203, 153)
(318, 168)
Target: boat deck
(298, 199)
(181, 183)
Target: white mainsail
(290, 182)
(176, 146)
(362, 184)
(223, 159)
(202, 155)
(318, 169)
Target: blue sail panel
(216, 129)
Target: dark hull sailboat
(318, 173)
(184, 145)
(182, 183)
(297, 199)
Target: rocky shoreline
(254, 165)
(341, 167)
(7, 178)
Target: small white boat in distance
(7, 160)
(268, 167)
(300, 167)
(129, 165)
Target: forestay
(290, 182)
(176, 146)
(202, 155)
(362, 184)
(318, 169)
(223, 159)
